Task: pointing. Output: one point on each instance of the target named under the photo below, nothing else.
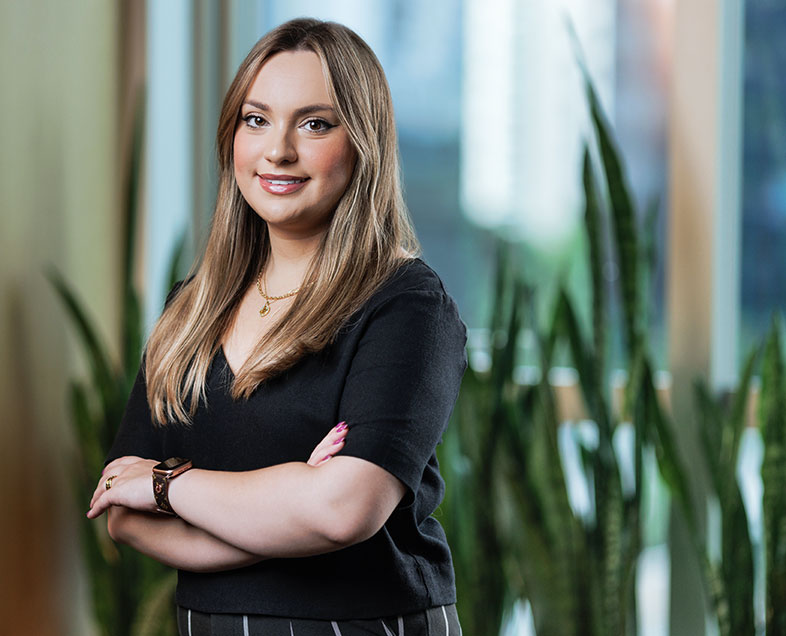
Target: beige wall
(58, 206)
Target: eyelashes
(323, 125)
(256, 119)
(313, 125)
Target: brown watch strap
(163, 473)
(161, 494)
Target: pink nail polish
(326, 457)
(338, 441)
(341, 426)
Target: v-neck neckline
(226, 360)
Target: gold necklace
(269, 299)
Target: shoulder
(413, 300)
(176, 288)
(412, 277)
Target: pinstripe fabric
(385, 627)
(437, 621)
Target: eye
(254, 121)
(317, 125)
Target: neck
(289, 261)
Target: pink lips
(281, 183)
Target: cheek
(242, 153)
(336, 160)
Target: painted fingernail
(326, 457)
(338, 441)
(341, 426)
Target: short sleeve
(403, 382)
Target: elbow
(345, 528)
(115, 524)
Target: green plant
(516, 535)
(127, 587)
(519, 537)
(772, 419)
(472, 500)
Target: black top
(393, 374)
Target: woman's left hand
(131, 486)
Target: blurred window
(763, 288)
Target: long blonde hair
(362, 247)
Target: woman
(308, 308)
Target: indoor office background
(492, 116)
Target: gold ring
(108, 482)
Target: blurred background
(493, 117)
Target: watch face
(171, 464)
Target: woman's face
(293, 158)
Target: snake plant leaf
(649, 257)
(91, 456)
(549, 532)
(633, 508)
(737, 566)
(591, 385)
(732, 428)
(721, 430)
(772, 417)
(710, 417)
(622, 208)
(610, 522)
(98, 358)
(623, 217)
(669, 461)
(675, 474)
(503, 358)
(502, 278)
(480, 580)
(632, 387)
(594, 232)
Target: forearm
(280, 511)
(289, 510)
(174, 542)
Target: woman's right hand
(329, 446)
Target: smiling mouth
(284, 182)
(283, 179)
(281, 184)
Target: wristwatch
(163, 473)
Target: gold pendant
(265, 310)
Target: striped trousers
(437, 621)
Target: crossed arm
(233, 519)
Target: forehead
(290, 79)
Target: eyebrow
(303, 110)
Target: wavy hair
(368, 236)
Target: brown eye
(254, 121)
(317, 125)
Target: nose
(280, 147)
